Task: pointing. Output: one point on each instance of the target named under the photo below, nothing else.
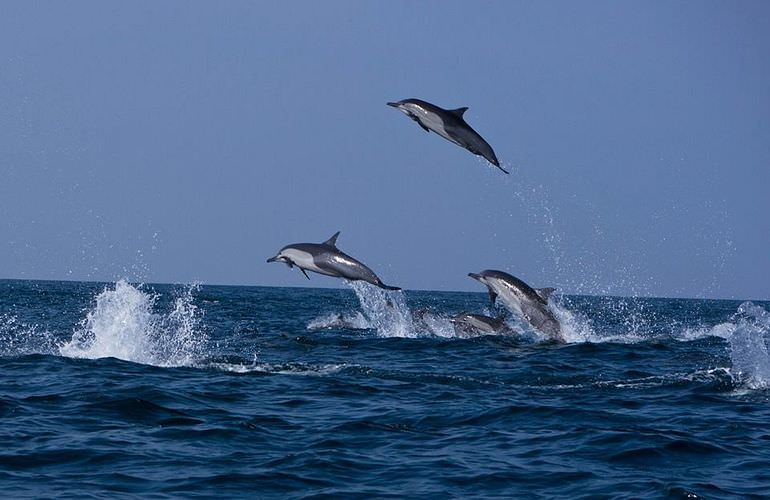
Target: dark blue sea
(112, 390)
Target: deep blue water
(111, 390)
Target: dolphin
(478, 323)
(449, 124)
(526, 302)
(337, 322)
(326, 258)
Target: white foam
(574, 327)
(723, 330)
(281, 369)
(749, 346)
(124, 324)
(428, 322)
(438, 326)
(385, 310)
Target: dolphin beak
(394, 104)
(273, 259)
(475, 276)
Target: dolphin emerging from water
(326, 258)
(449, 124)
(478, 323)
(526, 302)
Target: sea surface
(111, 390)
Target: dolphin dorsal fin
(458, 112)
(545, 293)
(332, 242)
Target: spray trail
(386, 310)
(749, 346)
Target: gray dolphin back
(535, 308)
(338, 263)
(540, 317)
(456, 128)
(345, 266)
(467, 137)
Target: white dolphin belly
(510, 300)
(304, 260)
(431, 121)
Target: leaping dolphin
(526, 302)
(326, 258)
(449, 124)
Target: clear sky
(180, 141)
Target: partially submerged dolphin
(479, 324)
(326, 258)
(526, 302)
(449, 124)
(338, 321)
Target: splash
(125, 325)
(438, 325)
(723, 330)
(386, 310)
(629, 321)
(20, 339)
(575, 328)
(749, 346)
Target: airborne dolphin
(526, 302)
(326, 258)
(449, 124)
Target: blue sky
(181, 141)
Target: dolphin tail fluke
(491, 158)
(387, 287)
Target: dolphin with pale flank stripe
(528, 303)
(325, 258)
(449, 124)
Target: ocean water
(123, 390)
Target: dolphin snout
(394, 104)
(273, 259)
(475, 276)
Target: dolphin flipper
(419, 123)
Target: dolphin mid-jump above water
(449, 124)
(526, 302)
(326, 258)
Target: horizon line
(201, 283)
